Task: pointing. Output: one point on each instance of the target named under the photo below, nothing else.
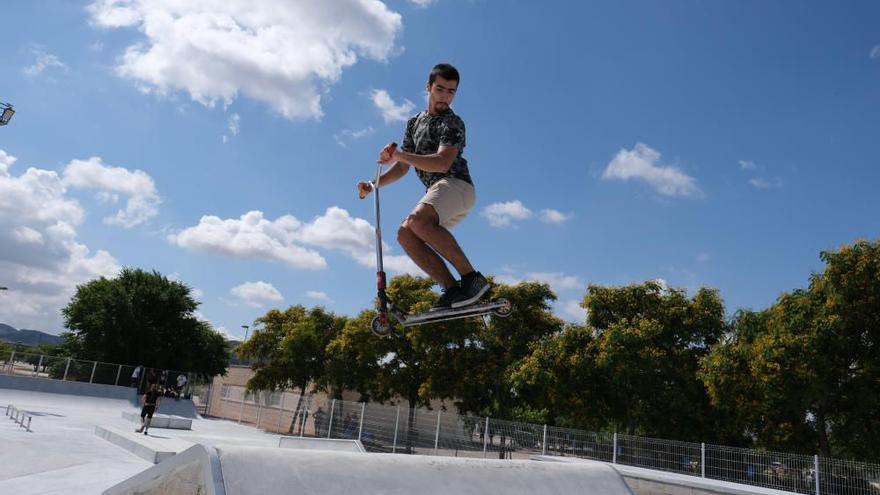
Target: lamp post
(245, 331)
(6, 112)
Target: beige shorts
(451, 198)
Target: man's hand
(364, 188)
(388, 155)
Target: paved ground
(62, 455)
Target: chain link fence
(399, 429)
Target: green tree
(290, 349)
(413, 363)
(142, 317)
(492, 351)
(559, 376)
(809, 367)
(649, 342)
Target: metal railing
(398, 429)
(78, 370)
(19, 416)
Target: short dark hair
(446, 71)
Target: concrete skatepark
(80, 442)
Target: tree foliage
(142, 317)
(805, 374)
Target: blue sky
(718, 144)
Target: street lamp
(245, 331)
(6, 116)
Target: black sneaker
(472, 289)
(446, 298)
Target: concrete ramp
(253, 471)
(269, 471)
(333, 444)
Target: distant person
(151, 401)
(136, 375)
(181, 383)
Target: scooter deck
(479, 309)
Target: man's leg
(422, 254)
(424, 224)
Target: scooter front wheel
(379, 327)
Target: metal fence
(78, 370)
(398, 429)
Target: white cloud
(554, 216)
(283, 53)
(44, 61)
(642, 162)
(342, 138)
(254, 237)
(747, 165)
(338, 230)
(257, 294)
(662, 282)
(557, 281)
(504, 214)
(392, 112)
(143, 200)
(703, 257)
(40, 259)
(198, 294)
(422, 3)
(572, 311)
(765, 183)
(250, 236)
(319, 296)
(875, 52)
(234, 126)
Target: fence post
(280, 410)
(703, 459)
(437, 434)
(94, 367)
(305, 415)
(361, 427)
(396, 423)
(259, 413)
(544, 443)
(36, 371)
(330, 424)
(614, 455)
(241, 409)
(12, 363)
(816, 467)
(66, 368)
(485, 437)
(118, 372)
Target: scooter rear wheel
(380, 328)
(505, 310)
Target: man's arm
(391, 175)
(438, 162)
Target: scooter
(386, 310)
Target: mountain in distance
(27, 337)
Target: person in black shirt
(151, 404)
(433, 144)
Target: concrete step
(151, 447)
(161, 421)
